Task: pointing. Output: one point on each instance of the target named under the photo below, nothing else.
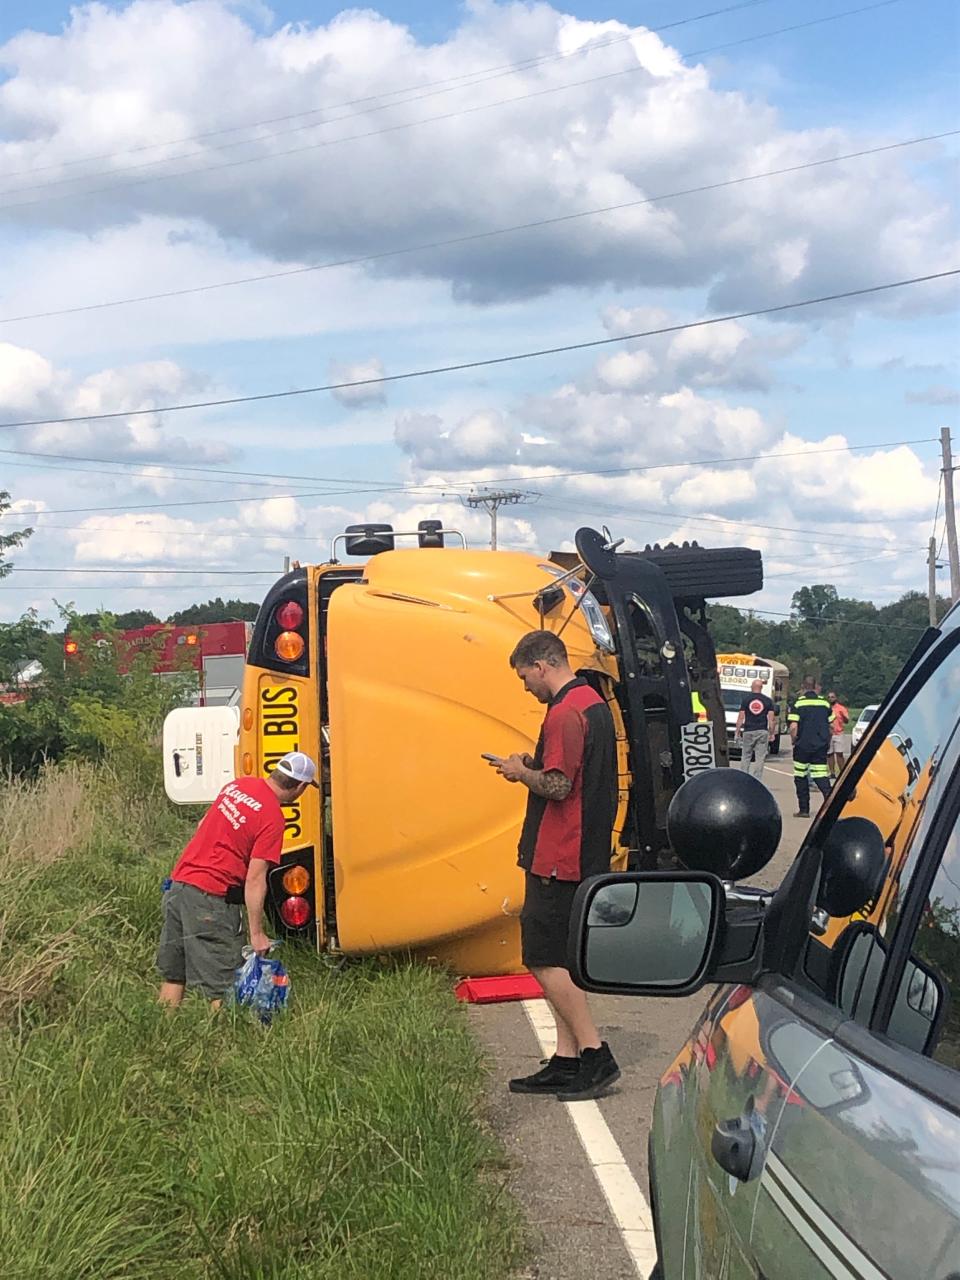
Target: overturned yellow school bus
(393, 673)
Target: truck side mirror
(725, 822)
(650, 934)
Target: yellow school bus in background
(737, 672)
(391, 669)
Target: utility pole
(286, 564)
(951, 514)
(932, 581)
(491, 500)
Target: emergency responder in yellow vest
(809, 722)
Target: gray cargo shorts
(201, 940)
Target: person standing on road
(226, 864)
(755, 728)
(810, 731)
(839, 717)
(567, 836)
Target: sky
(336, 195)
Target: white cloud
(31, 388)
(626, 370)
(358, 371)
(117, 78)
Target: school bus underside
(410, 844)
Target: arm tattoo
(551, 785)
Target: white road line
(787, 773)
(627, 1203)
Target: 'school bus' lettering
(280, 733)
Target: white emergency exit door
(198, 745)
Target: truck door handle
(734, 1146)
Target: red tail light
(289, 616)
(295, 912)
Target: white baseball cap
(299, 766)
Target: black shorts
(545, 921)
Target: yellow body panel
(424, 831)
(885, 796)
(281, 713)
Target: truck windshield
(732, 698)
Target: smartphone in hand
(485, 755)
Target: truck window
(901, 790)
(732, 698)
(936, 948)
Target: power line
(820, 566)
(443, 490)
(936, 513)
(474, 237)
(205, 531)
(142, 473)
(171, 467)
(299, 537)
(234, 573)
(137, 586)
(711, 522)
(412, 124)
(389, 486)
(850, 622)
(414, 489)
(462, 366)
(468, 77)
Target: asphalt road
(551, 1174)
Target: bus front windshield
(732, 698)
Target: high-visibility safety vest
(811, 714)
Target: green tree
(132, 620)
(816, 603)
(9, 541)
(102, 702)
(216, 611)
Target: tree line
(853, 647)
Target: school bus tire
(693, 571)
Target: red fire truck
(215, 651)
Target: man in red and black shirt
(566, 837)
(226, 862)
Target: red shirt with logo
(245, 821)
(572, 838)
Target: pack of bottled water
(261, 984)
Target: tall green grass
(345, 1141)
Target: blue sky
(882, 372)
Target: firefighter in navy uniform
(809, 721)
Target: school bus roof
(752, 660)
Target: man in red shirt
(566, 837)
(226, 863)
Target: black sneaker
(557, 1073)
(598, 1070)
(800, 813)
